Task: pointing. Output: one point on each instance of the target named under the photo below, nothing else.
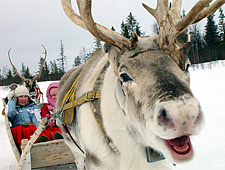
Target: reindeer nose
(164, 119)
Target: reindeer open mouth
(180, 148)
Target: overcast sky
(26, 25)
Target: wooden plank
(58, 167)
(51, 153)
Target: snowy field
(208, 85)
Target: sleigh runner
(45, 155)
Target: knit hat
(12, 85)
(21, 91)
(51, 102)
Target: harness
(93, 97)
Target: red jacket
(45, 113)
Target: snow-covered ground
(208, 85)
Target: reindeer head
(29, 82)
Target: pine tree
(130, 26)
(27, 73)
(97, 43)
(9, 75)
(221, 25)
(62, 59)
(23, 69)
(113, 28)
(14, 74)
(77, 61)
(195, 54)
(211, 38)
(131, 22)
(124, 30)
(54, 71)
(45, 71)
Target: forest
(208, 45)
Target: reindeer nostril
(165, 119)
(198, 118)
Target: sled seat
(54, 154)
(51, 153)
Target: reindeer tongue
(180, 147)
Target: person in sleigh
(24, 116)
(47, 109)
(11, 93)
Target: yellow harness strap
(70, 95)
(71, 92)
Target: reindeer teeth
(181, 149)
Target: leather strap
(89, 96)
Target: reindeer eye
(125, 77)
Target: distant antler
(171, 24)
(38, 75)
(22, 77)
(86, 21)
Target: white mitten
(11, 94)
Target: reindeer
(31, 82)
(134, 106)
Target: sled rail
(11, 140)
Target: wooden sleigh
(53, 154)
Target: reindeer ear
(113, 54)
(134, 40)
(106, 48)
(184, 55)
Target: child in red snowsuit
(24, 116)
(51, 94)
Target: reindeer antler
(86, 21)
(171, 24)
(209, 10)
(38, 75)
(22, 77)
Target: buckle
(93, 97)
